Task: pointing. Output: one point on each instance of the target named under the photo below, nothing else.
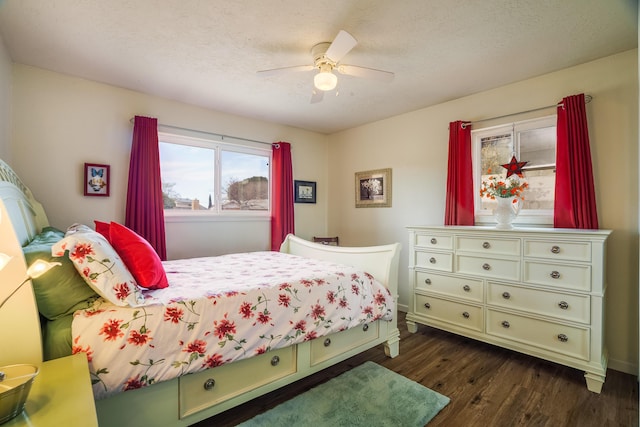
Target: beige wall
(414, 145)
(5, 102)
(61, 122)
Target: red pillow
(138, 255)
(103, 228)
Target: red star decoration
(514, 167)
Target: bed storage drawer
(326, 347)
(207, 388)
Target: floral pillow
(99, 265)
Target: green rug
(367, 395)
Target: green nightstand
(61, 395)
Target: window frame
(218, 145)
(528, 217)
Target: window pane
(538, 148)
(245, 183)
(187, 175)
(494, 152)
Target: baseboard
(403, 307)
(623, 366)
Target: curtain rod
(587, 99)
(220, 135)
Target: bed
(252, 370)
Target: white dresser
(539, 291)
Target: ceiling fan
(326, 59)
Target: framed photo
(96, 180)
(373, 189)
(305, 191)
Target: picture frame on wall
(96, 180)
(305, 191)
(373, 189)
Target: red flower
(213, 361)
(300, 326)
(81, 251)
(306, 283)
(136, 338)
(86, 271)
(261, 350)
(354, 276)
(197, 346)
(122, 291)
(380, 299)
(224, 327)
(264, 317)
(245, 311)
(112, 330)
(133, 383)
(317, 311)
(87, 350)
(173, 314)
(331, 297)
(343, 303)
(368, 310)
(311, 336)
(284, 286)
(284, 300)
(355, 289)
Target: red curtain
(144, 211)
(459, 207)
(575, 200)
(282, 222)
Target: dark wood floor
(488, 386)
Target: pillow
(139, 257)
(103, 228)
(60, 291)
(99, 265)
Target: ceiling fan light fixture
(325, 80)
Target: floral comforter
(221, 309)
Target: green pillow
(61, 290)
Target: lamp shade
(325, 80)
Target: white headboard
(21, 218)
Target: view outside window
(191, 181)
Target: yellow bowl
(14, 389)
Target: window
(532, 141)
(201, 177)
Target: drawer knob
(434, 241)
(505, 324)
(427, 305)
(275, 360)
(365, 327)
(466, 288)
(555, 249)
(209, 384)
(432, 260)
(555, 274)
(327, 342)
(427, 281)
(563, 338)
(563, 305)
(506, 295)
(465, 314)
(486, 266)
(486, 245)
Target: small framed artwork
(373, 189)
(305, 191)
(96, 180)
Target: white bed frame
(163, 404)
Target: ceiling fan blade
(367, 73)
(317, 96)
(278, 71)
(340, 46)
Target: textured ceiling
(207, 53)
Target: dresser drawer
(449, 285)
(441, 261)
(497, 268)
(575, 308)
(567, 340)
(465, 315)
(324, 348)
(434, 241)
(232, 381)
(566, 251)
(488, 246)
(561, 276)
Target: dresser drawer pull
(434, 240)
(427, 305)
(209, 384)
(563, 305)
(555, 249)
(555, 275)
(486, 266)
(506, 295)
(427, 281)
(563, 338)
(486, 245)
(432, 260)
(465, 314)
(505, 324)
(327, 342)
(365, 327)
(275, 360)
(466, 288)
